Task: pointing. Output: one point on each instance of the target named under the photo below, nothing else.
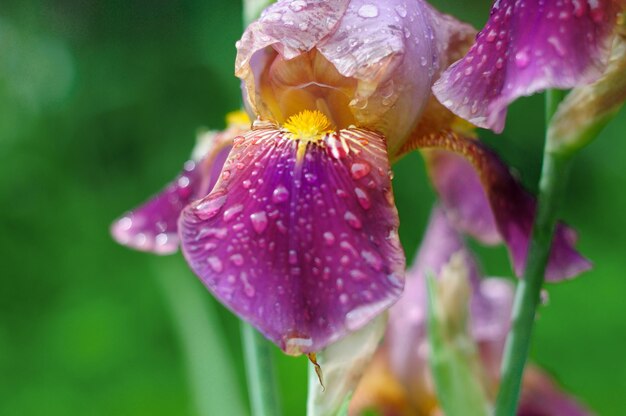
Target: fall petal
(300, 238)
(525, 47)
(503, 207)
(153, 225)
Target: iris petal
(484, 200)
(385, 56)
(153, 225)
(525, 47)
(300, 238)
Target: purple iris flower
(399, 381)
(529, 46)
(297, 233)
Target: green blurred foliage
(99, 106)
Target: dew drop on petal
(401, 10)
(216, 264)
(522, 59)
(368, 10)
(329, 238)
(360, 169)
(232, 212)
(352, 220)
(208, 209)
(363, 198)
(259, 221)
(297, 5)
(236, 259)
(280, 194)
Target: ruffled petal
(153, 226)
(300, 238)
(525, 47)
(379, 59)
(500, 206)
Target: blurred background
(100, 103)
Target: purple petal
(360, 62)
(500, 206)
(540, 396)
(153, 225)
(300, 239)
(406, 333)
(490, 305)
(525, 47)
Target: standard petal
(499, 207)
(367, 63)
(300, 238)
(153, 225)
(525, 47)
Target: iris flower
(399, 381)
(298, 232)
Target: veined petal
(358, 61)
(299, 236)
(525, 47)
(153, 225)
(501, 206)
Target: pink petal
(528, 46)
(484, 200)
(153, 225)
(302, 246)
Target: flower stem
(213, 383)
(554, 175)
(262, 386)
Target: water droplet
(310, 177)
(246, 184)
(297, 5)
(272, 17)
(372, 259)
(216, 264)
(259, 221)
(329, 238)
(344, 298)
(360, 169)
(491, 36)
(401, 10)
(352, 220)
(280, 194)
(293, 257)
(225, 175)
(209, 208)
(357, 274)
(233, 212)
(522, 59)
(237, 259)
(363, 198)
(125, 223)
(368, 10)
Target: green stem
(209, 367)
(262, 386)
(554, 175)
